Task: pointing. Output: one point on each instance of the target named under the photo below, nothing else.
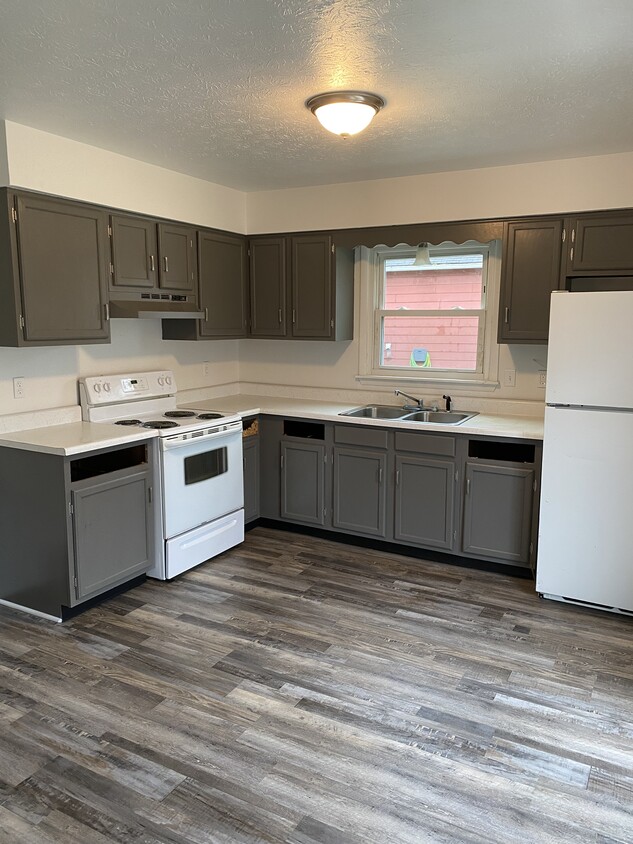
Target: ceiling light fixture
(345, 113)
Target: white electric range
(200, 512)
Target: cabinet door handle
(468, 486)
(573, 235)
(282, 461)
(380, 475)
(294, 315)
(206, 315)
(279, 315)
(106, 311)
(506, 317)
(397, 477)
(149, 495)
(152, 265)
(166, 263)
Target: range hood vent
(154, 308)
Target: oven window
(202, 467)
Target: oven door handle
(176, 442)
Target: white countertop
(521, 427)
(74, 438)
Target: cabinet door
(312, 286)
(360, 478)
(268, 287)
(176, 249)
(111, 527)
(302, 482)
(250, 447)
(603, 243)
(498, 511)
(424, 505)
(134, 252)
(223, 285)
(531, 271)
(63, 254)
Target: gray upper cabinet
(530, 272)
(360, 491)
(601, 244)
(134, 252)
(303, 482)
(54, 263)
(223, 290)
(302, 288)
(312, 287)
(268, 287)
(498, 504)
(223, 285)
(177, 267)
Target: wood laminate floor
(297, 690)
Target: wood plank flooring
(302, 691)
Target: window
(433, 321)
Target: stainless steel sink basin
(438, 417)
(376, 411)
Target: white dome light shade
(345, 113)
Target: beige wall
(40, 161)
(51, 164)
(44, 162)
(577, 184)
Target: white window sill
(462, 383)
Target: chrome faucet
(418, 402)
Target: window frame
(371, 316)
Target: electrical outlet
(509, 378)
(542, 378)
(205, 369)
(18, 388)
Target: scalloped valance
(483, 231)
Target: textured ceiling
(216, 89)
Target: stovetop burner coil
(210, 416)
(179, 414)
(160, 424)
(128, 422)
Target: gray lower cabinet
(54, 261)
(111, 530)
(250, 454)
(498, 502)
(303, 482)
(360, 491)
(425, 501)
(74, 527)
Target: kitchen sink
(438, 417)
(376, 411)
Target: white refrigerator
(585, 551)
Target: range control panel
(111, 389)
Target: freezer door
(590, 352)
(585, 549)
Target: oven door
(202, 479)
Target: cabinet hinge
(454, 534)
(324, 512)
(21, 321)
(248, 252)
(71, 509)
(333, 248)
(456, 476)
(325, 457)
(531, 548)
(14, 215)
(109, 231)
(331, 323)
(75, 582)
(111, 268)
